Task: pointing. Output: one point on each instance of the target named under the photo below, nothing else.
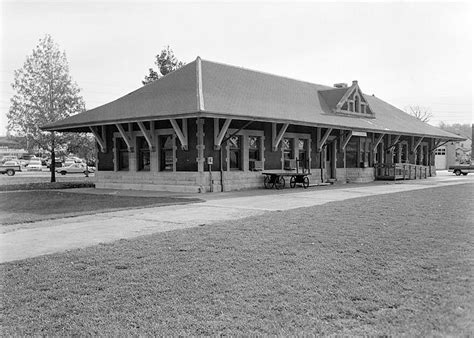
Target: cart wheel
(279, 182)
(267, 182)
(293, 181)
(306, 182)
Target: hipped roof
(209, 89)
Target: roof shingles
(246, 94)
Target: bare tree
(421, 113)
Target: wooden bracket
(323, 140)
(181, 133)
(392, 146)
(219, 134)
(416, 145)
(148, 135)
(377, 142)
(126, 138)
(276, 138)
(345, 139)
(100, 138)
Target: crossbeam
(183, 137)
(99, 138)
(125, 137)
(276, 138)
(219, 134)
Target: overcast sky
(406, 53)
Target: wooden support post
(200, 144)
(417, 144)
(182, 138)
(148, 135)
(346, 139)
(99, 138)
(219, 134)
(377, 142)
(323, 140)
(125, 137)
(276, 138)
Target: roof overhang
(84, 127)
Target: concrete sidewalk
(76, 232)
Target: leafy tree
(43, 93)
(421, 113)
(82, 145)
(166, 62)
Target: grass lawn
(398, 264)
(27, 206)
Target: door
(330, 163)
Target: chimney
(340, 85)
(354, 82)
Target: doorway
(330, 163)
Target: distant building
(454, 153)
(9, 146)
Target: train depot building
(214, 127)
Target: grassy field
(28, 206)
(399, 264)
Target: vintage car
(75, 168)
(10, 168)
(463, 169)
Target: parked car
(57, 163)
(9, 158)
(35, 165)
(10, 168)
(75, 168)
(462, 169)
(28, 157)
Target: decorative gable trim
(353, 102)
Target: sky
(407, 53)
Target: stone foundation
(360, 175)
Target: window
(254, 150)
(235, 153)
(302, 154)
(440, 151)
(356, 103)
(166, 153)
(362, 153)
(288, 148)
(122, 154)
(351, 153)
(143, 154)
(404, 153)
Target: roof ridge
(199, 93)
(265, 73)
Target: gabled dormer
(347, 100)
